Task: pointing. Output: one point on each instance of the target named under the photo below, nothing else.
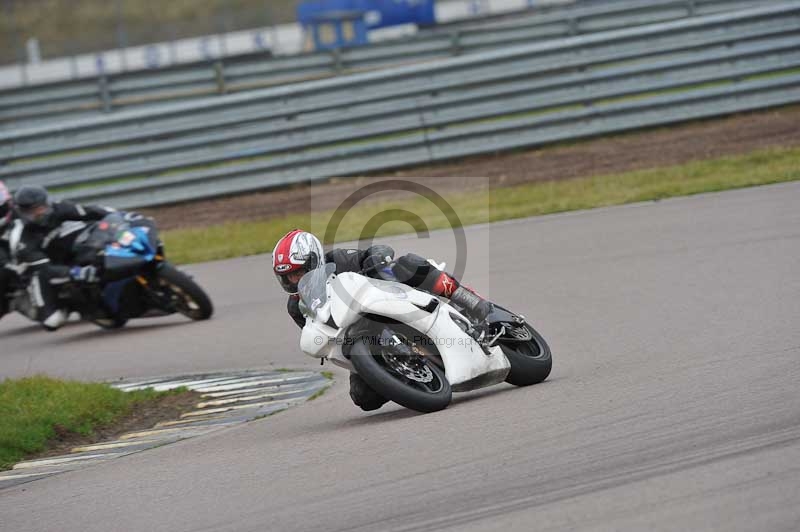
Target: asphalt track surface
(673, 403)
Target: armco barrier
(42, 104)
(523, 96)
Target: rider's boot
(55, 320)
(43, 294)
(475, 307)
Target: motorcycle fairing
(131, 250)
(112, 292)
(359, 295)
(467, 364)
(132, 242)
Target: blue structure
(343, 23)
(338, 29)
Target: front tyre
(110, 323)
(412, 381)
(528, 354)
(188, 297)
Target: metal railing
(95, 96)
(524, 96)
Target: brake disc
(421, 373)
(519, 333)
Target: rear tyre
(413, 381)
(531, 360)
(188, 298)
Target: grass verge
(774, 165)
(35, 410)
(318, 394)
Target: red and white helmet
(6, 205)
(297, 251)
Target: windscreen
(312, 288)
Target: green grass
(318, 394)
(32, 408)
(235, 239)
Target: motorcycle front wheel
(188, 297)
(413, 381)
(110, 323)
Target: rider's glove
(386, 273)
(86, 274)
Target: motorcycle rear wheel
(531, 361)
(414, 382)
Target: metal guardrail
(525, 96)
(67, 100)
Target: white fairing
(354, 295)
(467, 365)
(350, 296)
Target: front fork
(147, 279)
(151, 287)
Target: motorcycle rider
(45, 246)
(299, 252)
(7, 274)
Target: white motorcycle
(410, 346)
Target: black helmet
(32, 204)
